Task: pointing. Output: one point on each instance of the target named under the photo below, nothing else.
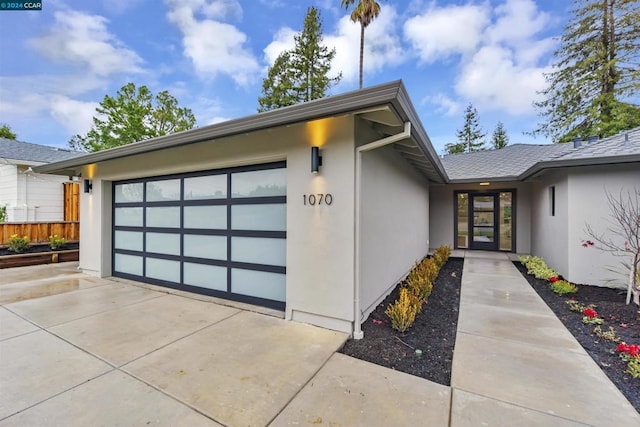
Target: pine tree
(595, 74)
(500, 139)
(300, 74)
(471, 136)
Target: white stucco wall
(588, 204)
(320, 239)
(441, 215)
(394, 221)
(549, 233)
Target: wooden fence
(71, 201)
(40, 231)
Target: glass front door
(485, 220)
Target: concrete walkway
(77, 351)
(516, 364)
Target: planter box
(21, 260)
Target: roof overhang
(596, 161)
(392, 94)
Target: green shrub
(18, 244)
(537, 267)
(633, 367)
(562, 287)
(441, 255)
(609, 335)
(3, 213)
(403, 311)
(57, 242)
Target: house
(30, 196)
(317, 209)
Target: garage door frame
(229, 233)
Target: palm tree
(364, 13)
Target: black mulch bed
(37, 248)
(610, 305)
(434, 332)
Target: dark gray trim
(592, 161)
(393, 94)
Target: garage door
(220, 233)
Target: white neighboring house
(31, 196)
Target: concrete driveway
(78, 351)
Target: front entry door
(484, 222)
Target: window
(552, 200)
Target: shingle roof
(506, 164)
(18, 150)
(520, 161)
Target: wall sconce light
(316, 159)
(484, 183)
(88, 185)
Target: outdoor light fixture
(88, 185)
(484, 183)
(316, 159)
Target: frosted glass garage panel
(205, 276)
(272, 217)
(128, 264)
(127, 193)
(257, 250)
(205, 187)
(130, 217)
(158, 191)
(258, 284)
(163, 217)
(163, 269)
(163, 243)
(205, 217)
(270, 182)
(130, 240)
(210, 247)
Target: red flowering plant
(628, 351)
(553, 279)
(591, 317)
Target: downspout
(405, 134)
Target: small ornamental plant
(56, 242)
(609, 335)
(553, 279)
(562, 287)
(403, 311)
(591, 317)
(630, 353)
(18, 244)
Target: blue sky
(57, 64)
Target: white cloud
(500, 54)
(84, 39)
(494, 80)
(76, 116)
(441, 32)
(282, 40)
(444, 104)
(214, 47)
(382, 46)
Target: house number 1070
(318, 199)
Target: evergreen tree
(470, 136)
(500, 139)
(5, 132)
(455, 148)
(595, 74)
(363, 13)
(132, 116)
(300, 74)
